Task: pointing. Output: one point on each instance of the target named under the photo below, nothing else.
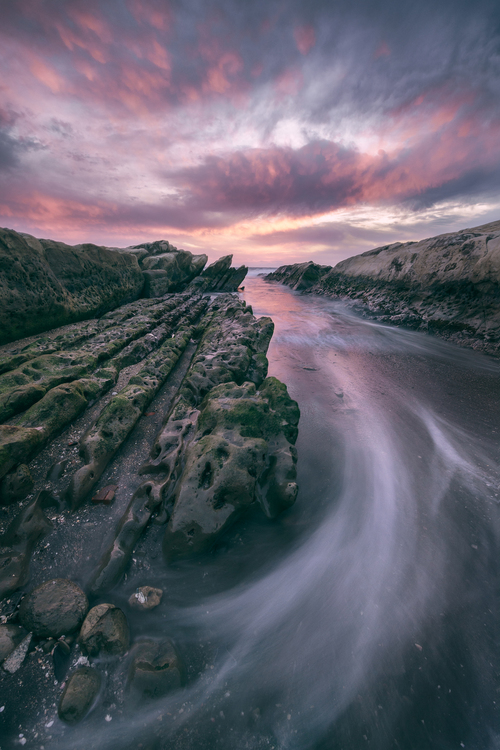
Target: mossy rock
(240, 454)
(45, 284)
(17, 446)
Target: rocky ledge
(45, 284)
(155, 421)
(448, 285)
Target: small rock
(156, 669)
(105, 630)
(146, 597)
(60, 659)
(106, 495)
(79, 694)
(53, 609)
(57, 470)
(14, 661)
(16, 485)
(10, 637)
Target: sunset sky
(279, 130)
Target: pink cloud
(382, 51)
(305, 38)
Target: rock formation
(45, 284)
(74, 403)
(448, 285)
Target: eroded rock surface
(44, 283)
(160, 410)
(231, 351)
(448, 285)
(241, 453)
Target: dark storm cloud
(8, 148)
(12, 147)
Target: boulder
(104, 631)
(55, 608)
(44, 283)
(156, 669)
(80, 692)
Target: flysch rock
(72, 399)
(120, 415)
(448, 285)
(45, 283)
(232, 350)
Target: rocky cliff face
(449, 285)
(45, 284)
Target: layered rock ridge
(45, 284)
(142, 434)
(448, 285)
(224, 444)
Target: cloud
(216, 116)
(323, 175)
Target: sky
(278, 130)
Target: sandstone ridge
(45, 284)
(448, 285)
